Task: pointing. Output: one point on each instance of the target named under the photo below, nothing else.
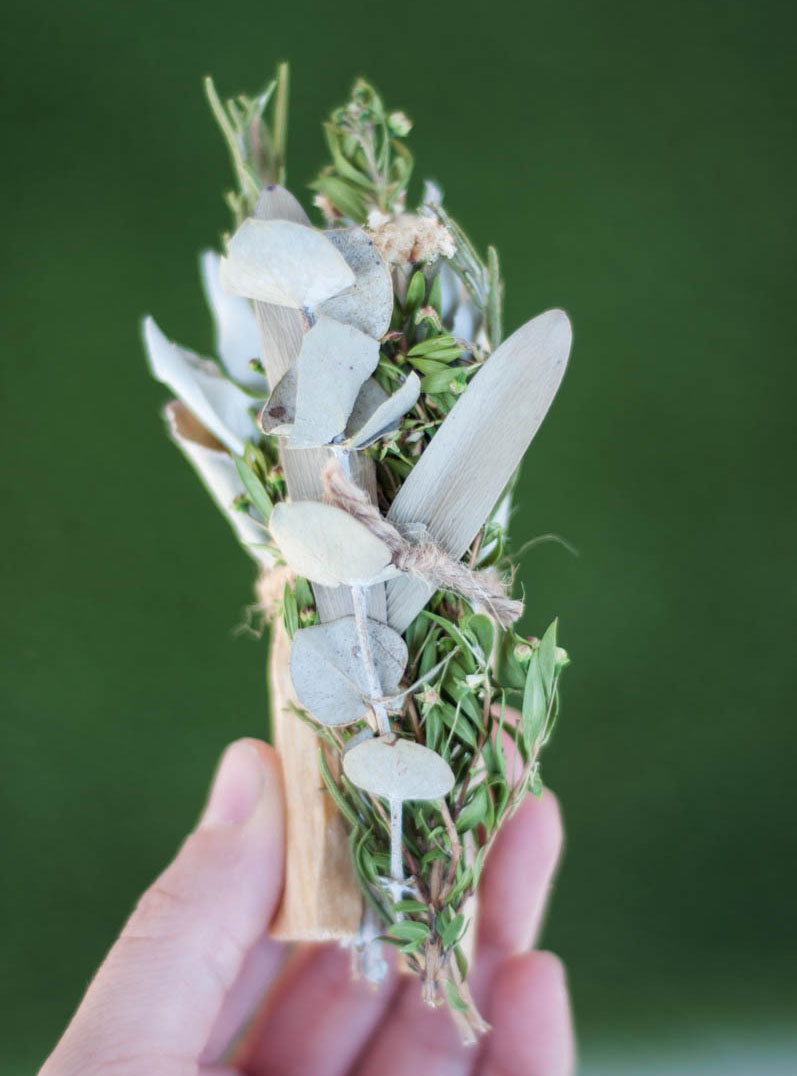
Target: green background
(634, 163)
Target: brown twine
(426, 559)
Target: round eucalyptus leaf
(386, 417)
(368, 302)
(333, 363)
(328, 546)
(370, 397)
(398, 769)
(328, 673)
(285, 263)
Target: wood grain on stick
(321, 899)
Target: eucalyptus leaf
(279, 410)
(368, 302)
(370, 397)
(328, 672)
(398, 769)
(386, 418)
(328, 546)
(285, 263)
(333, 363)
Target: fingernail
(236, 787)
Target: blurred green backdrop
(634, 163)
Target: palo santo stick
(321, 900)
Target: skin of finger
(532, 1025)
(261, 966)
(415, 1039)
(518, 876)
(516, 881)
(316, 1019)
(158, 994)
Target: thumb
(154, 1001)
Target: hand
(195, 960)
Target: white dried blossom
(411, 239)
(330, 214)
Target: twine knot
(425, 559)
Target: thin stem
(361, 624)
(396, 858)
(371, 676)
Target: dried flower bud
(399, 123)
(411, 239)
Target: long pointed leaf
(460, 476)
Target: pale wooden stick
(321, 900)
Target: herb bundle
(362, 434)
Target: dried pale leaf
(371, 396)
(237, 338)
(368, 303)
(281, 262)
(459, 311)
(216, 469)
(219, 405)
(461, 474)
(304, 468)
(387, 416)
(279, 409)
(398, 769)
(277, 203)
(281, 329)
(334, 362)
(328, 673)
(328, 546)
